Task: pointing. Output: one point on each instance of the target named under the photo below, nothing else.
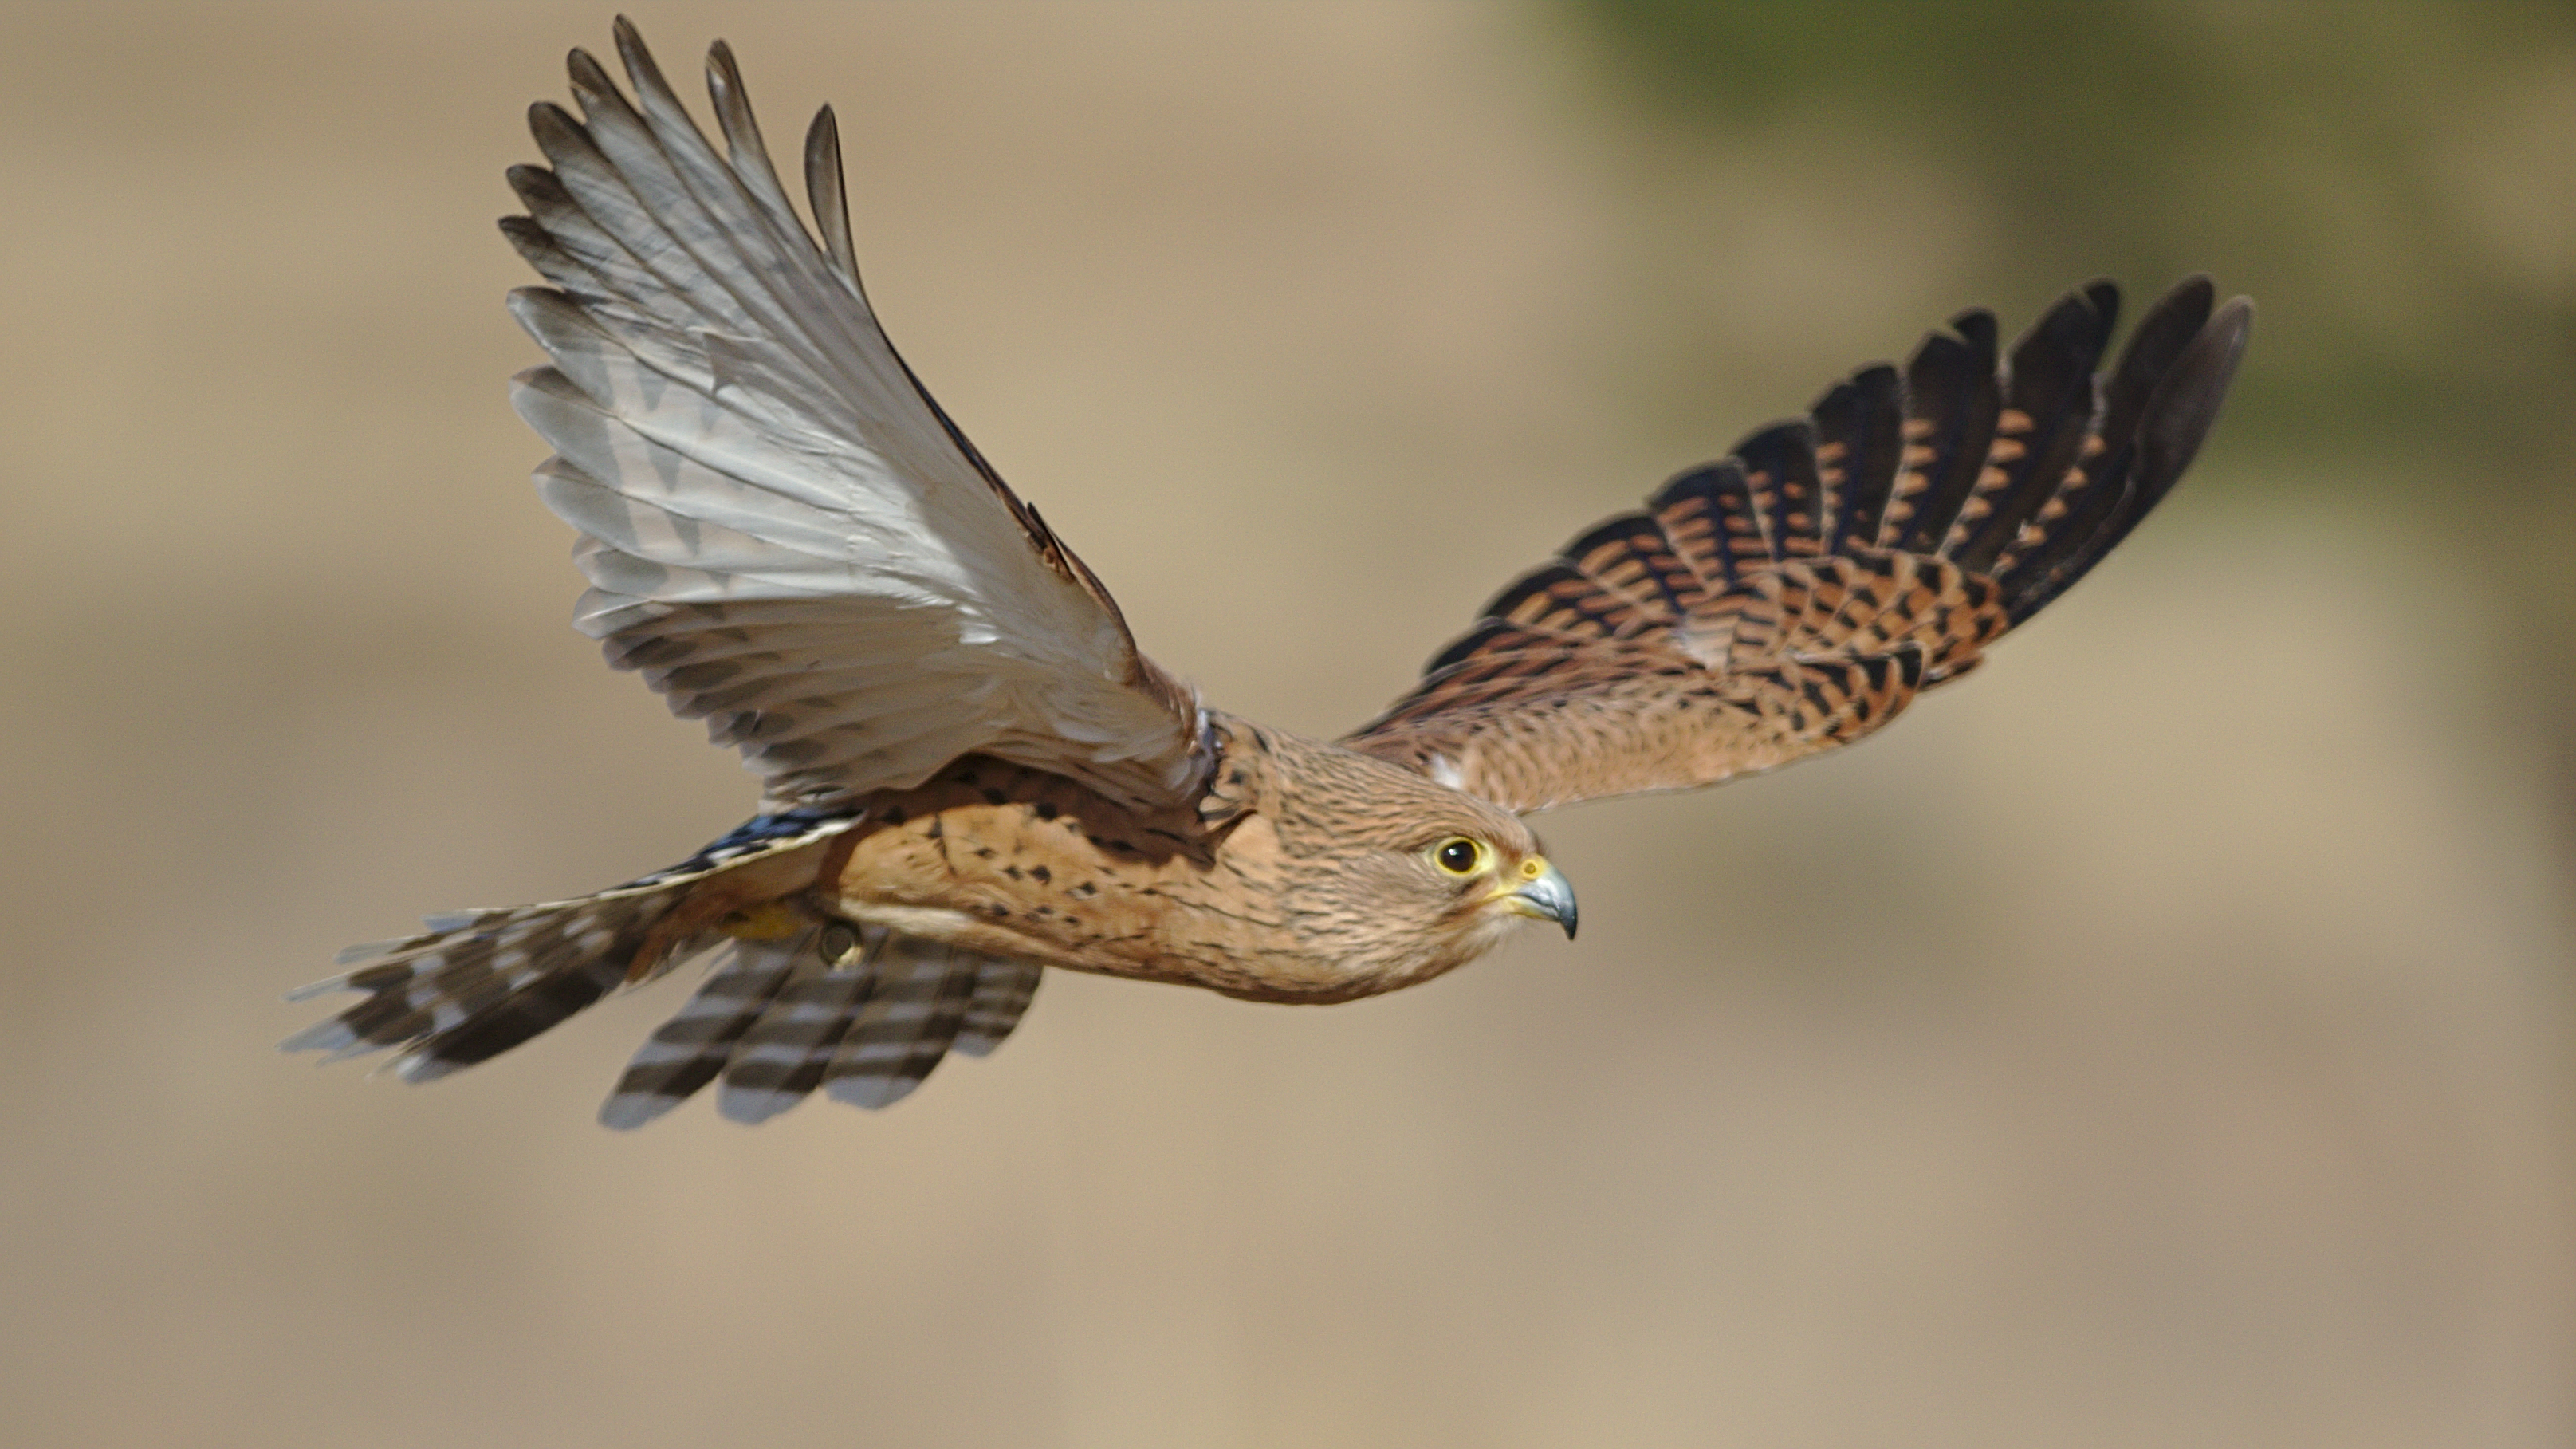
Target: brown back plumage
(1795, 595)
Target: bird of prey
(970, 773)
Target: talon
(840, 942)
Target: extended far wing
(1794, 596)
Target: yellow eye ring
(1459, 856)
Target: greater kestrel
(970, 773)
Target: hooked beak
(1541, 892)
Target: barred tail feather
(1002, 992)
(860, 1012)
(781, 1056)
(690, 1049)
(910, 1020)
(478, 983)
(857, 1010)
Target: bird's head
(1486, 872)
(1398, 877)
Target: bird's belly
(1023, 864)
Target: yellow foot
(768, 921)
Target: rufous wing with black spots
(1797, 594)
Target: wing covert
(782, 531)
(1797, 594)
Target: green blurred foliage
(2395, 184)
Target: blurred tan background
(2164, 1038)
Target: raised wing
(782, 530)
(1796, 595)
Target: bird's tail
(792, 1001)
(859, 1011)
(476, 983)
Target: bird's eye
(1459, 856)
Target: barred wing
(1798, 594)
(782, 530)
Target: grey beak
(1549, 896)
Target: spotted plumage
(1793, 597)
(971, 773)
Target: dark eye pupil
(1458, 855)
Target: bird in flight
(971, 773)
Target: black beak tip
(1548, 897)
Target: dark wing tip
(2104, 294)
(823, 141)
(2183, 383)
(2198, 289)
(632, 52)
(827, 196)
(586, 73)
(2186, 406)
(1977, 325)
(724, 73)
